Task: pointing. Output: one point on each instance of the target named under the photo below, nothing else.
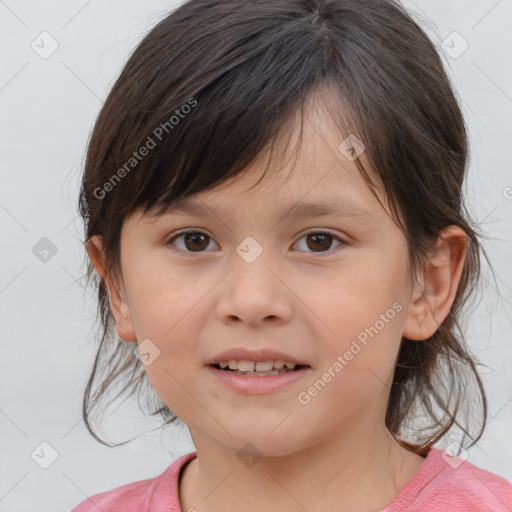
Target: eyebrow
(338, 208)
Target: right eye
(193, 241)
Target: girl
(273, 207)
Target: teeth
(264, 367)
(260, 366)
(259, 374)
(246, 366)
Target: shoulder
(142, 496)
(128, 497)
(460, 485)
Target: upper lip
(245, 354)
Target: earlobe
(434, 295)
(118, 305)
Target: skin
(323, 455)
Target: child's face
(339, 307)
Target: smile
(257, 368)
(258, 377)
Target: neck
(345, 468)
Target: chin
(250, 439)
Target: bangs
(192, 109)
(197, 110)
(203, 136)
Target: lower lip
(258, 385)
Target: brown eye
(193, 241)
(320, 242)
(196, 241)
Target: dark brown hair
(215, 82)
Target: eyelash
(196, 231)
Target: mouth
(258, 368)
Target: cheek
(163, 308)
(172, 373)
(356, 370)
(362, 311)
(354, 296)
(162, 295)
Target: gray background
(48, 108)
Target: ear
(118, 304)
(433, 297)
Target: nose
(254, 294)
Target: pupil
(194, 237)
(322, 239)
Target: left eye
(320, 240)
(197, 241)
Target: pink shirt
(437, 486)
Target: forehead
(308, 172)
